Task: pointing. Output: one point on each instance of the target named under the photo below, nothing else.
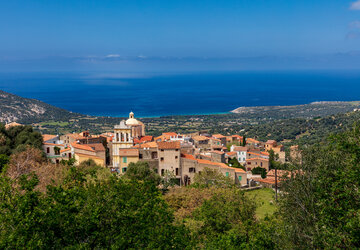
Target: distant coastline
(202, 93)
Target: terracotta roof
(265, 153)
(238, 136)
(255, 159)
(252, 140)
(47, 137)
(207, 162)
(162, 138)
(187, 156)
(200, 138)
(169, 145)
(170, 134)
(231, 153)
(83, 147)
(222, 165)
(217, 152)
(65, 149)
(240, 148)
(149, 145)
(270, 142)
(128, 152)
(97, 146)
(143, 139)
(218, 136)
(53, 144)
(253, 153)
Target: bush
(259, 170)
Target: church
(124, 135)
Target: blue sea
(157, 94)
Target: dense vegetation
(43, 205)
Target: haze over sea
(114, 94)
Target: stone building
(127, 156)
(124, 135)
(169, 158)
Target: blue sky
(195, 28)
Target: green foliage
(168, 179)
(233, 162)
(116, 213)
(259, 170)
(15, 139)
(321, 203)
(70, 163)
(4, 159)
(211, 177)
(141, 171)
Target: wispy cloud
(355, 25)
(355, 5)
(353, 35)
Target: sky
(69, 32)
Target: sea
(162, 94)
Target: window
(162, 150)
(154, 155)
(227, 174)
(177, 171)
(162, 172)
(162, 159)
(260, 163)
(69, 155)
(248, 169)
(176, 149)
(192, 170)
(176, 157)
(48, 150)
(240, 177)
(140, 156)
(124, 170)
(125, 159)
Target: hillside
(303, 124)
(24, 110)
(314, 109)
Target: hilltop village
(179, 155)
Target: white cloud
(113, 56)
(355, 5)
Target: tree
(57, 150)
(141, 171)
(168, 180)
(211, 177)
(112, 213)
(321, 200)
(233, 162)
(259, 170)
(4, 159)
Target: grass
(265, 201)
(52, 123)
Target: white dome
(132, 121)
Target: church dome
(132, 121)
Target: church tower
(122, 139)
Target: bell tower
(122, 139)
